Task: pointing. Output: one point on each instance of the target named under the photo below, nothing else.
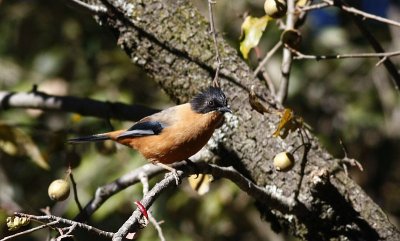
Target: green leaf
(14, 141)
(252, 30)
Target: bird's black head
(211, 99)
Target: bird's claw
(176, 176)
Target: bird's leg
(172, 170)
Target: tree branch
(67, 222)
(267, 196)
(107, 191)
(300, 56)
(83, 106)
(287, 57)
(31, 230)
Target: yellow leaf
(200, 183)
(288, 123)
(252, 30)
(14, 141)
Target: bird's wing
(151, 125)
(143, 128)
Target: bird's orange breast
(188, 133)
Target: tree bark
(171, 41)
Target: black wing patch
(146, 128)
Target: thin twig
(300, 56)
(270, 53)
(287, 57)
(74, 189)
(145, 182)
(312, 7)
(104, 192)
(269, 82)
(214, 34)
(29, 231)
(68, 222)
(261, 67)
(267, 79)
(94, 9)
(132, 224)
(350, 161)
(157, 226)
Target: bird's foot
(172, 170)
(176, 176)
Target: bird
(174, 134)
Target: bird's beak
(224, 109)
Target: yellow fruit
(275, 8)
(283, 161)
(59, 190)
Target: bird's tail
(98, 137)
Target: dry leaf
(288, 123)
(200, 183)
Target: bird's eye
(211, 103)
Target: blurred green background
(65, 52)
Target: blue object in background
(376, 7)
(328, 17)
(322, 18)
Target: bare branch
(95, 9)
(300, 56)
(29, 231)
(145, 182)
(270, 53)
(67, 222)
(214, 34)
(312, 7)
(133, 222)
(74, 188)
(287, 57)
(106, 191)
(261, 65)
(266, 195)
(83, 106)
